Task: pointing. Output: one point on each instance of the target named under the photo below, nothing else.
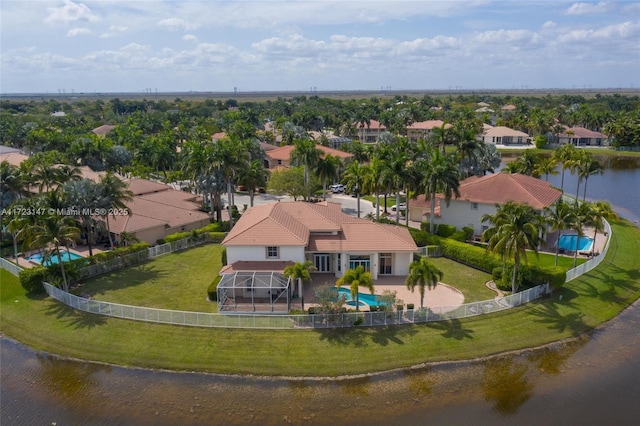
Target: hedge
(117, 252)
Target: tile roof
(284, 152)
(256, 266)
(504, 131)
(429, 125)
(318, 226)
(13, 158)
(581, 132)
(144, 186)
(373, 125)
(104, 129)
(499, 188)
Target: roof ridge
(281, 211)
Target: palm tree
(560, 217)
(115, 194)
(373, 181)
(423, 273)
(305, 154)
(253, 177)
(588, 166)
(442, 136)
(85, 196)
(600, 211)
(55, 230)
(547, 166)
(565, 154)
(327, 169)
(582, 216)
(516, 229)
(354, 177)
(300, 271)
(355, 278)
(442, 176)
(11, 184)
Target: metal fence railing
(593, 262)
(349, 319)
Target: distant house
(579, 136)
(271, 236)
(103, 130)
(280, 157)
(501, 135)
(480, 194)
(369, 133)
(157, 210)
(424, 129)
(508, 108)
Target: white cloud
(549, 25)
(73, 32)
(70, 12)
(118, 28)
(189, 37)
(587, 8)
(615, 33)
(176, 24)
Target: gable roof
(104, 129)
(428, 125)
(581, 132)
(499, 188)
(504, 131)
(373, 125)
(317, 226)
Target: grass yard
(585, 302)
(471, 282)
(177, 281)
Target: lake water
(592, 381)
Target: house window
(474, 206)
(272, 253)
(279, 162)
(339, 262)
(364, 261)
(386, 262)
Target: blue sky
(132, 46)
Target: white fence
(350, 319)
(593, 262)
(11, 267)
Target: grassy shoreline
(586, 303)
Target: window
(474, 206)
(279, 162)
(272, 253)
(386, 262)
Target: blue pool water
(369, 299)
(53, 259)
(568, 242)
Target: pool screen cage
(243, 292)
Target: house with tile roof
(424, 129)
(271, 236)
(369, 132)
(501, 135)
(280, 157)
(579, 136)
(479, 195)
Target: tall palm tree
(356, 278)
(582, 216)
(300, 271)
(560, 217)
(56, 231)
(588, 166)
(442, 176)
(442, 136)
(253, 177)
(11, 184)
(85, 196)
(396, 174)
(600, 211)
(373, 181)
(327, 169)
(305, 154)
(516, 229)
(547, 166)
(115, 194)
(565, 154)
(354, 178)
(423, 273)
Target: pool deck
(598, 244)
(80, 250)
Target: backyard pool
(568, 242)
(53, 259)
(369, 299)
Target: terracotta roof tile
(284, 152)
(144, 186)
(581, 132)
(504, 131)
(429, 125)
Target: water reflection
(505, 383)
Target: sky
(75, 46)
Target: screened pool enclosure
(244, 292)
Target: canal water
(591, 381)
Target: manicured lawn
(586, 302)
(177, 281)
(391, 200)
(471, 282)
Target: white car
(337, 188)
(402, 207)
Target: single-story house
(479, 196)
(271, 236)
(424, 129)
(103, 130)
(501, 135)
(281, 157)
(579, 136)
(157, 210)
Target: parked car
(337, 188)
(402, 207)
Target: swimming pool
(369, 299)
(53, 259)
(568, 242)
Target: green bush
(423, 238)
(470, 255)
(118, 252)
(216, 237)
(311, 310)
(212, 290)
(496, 274)
(459, 236)
(31, 279)
(540, 141)
(445, 231)
(224, 256)
(161, 241)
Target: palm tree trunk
(377, 205)
(398, 207)
(584, 191)
(230, 206)
(358, 202)
(514, 283)
(324, 189)
(65, 286)
(575, 253)
(301, 293)
(578, 191)
(557, 249)
(406, 210)
(433, 212)
(109, 233)
(251, 195)
(562, 180)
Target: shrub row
(117, 252)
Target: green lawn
(585, 303)
(471, 282)
(391, 200)
(177, 281)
